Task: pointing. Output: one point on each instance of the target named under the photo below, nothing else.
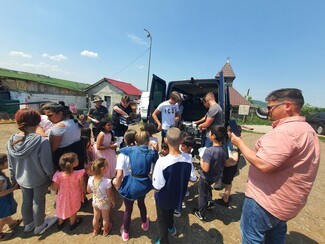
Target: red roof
(127, 88)
(236, 99)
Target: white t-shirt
(70, 133)
(123, 163)
(168, 113)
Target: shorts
(229, 174)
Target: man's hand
(236, 140)
(202, 128)
(159, 128)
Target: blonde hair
(97, 165)
(66, 162)
(142, 138)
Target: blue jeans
(207, 142)
(259, 226)
(163, 134)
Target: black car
(192, 91)
(317, 121)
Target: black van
(192, 92)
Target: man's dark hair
(287, 94)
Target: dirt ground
(222, 225)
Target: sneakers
(177, 213)
(198, 214)
(210, 204)
(29, 227)
(145, 226)
(172, 231)
(125, 236)
(222, 202)
(48, 222)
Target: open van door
(224, 100)
(157, 95)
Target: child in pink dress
(103, 197)
(105, 147)
(70, 186)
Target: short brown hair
(175, 96)
(174, 137)
(125, 99)
(290, 94)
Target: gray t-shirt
(215, 112)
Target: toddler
(103, 197)
(69, 184)
(8, 205)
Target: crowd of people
(54, 151)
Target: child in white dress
(103, 197)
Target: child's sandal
(15, 224)
(76, 223)
(95, 232)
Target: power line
(130, 63)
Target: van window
(158, 94)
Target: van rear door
(157, 95)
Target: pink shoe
(125, 236)
(145, 225)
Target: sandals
(15, 224)
(60, 226)
(76, 223)
(106, 232)
(95, 232)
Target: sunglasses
(272, 107)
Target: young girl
(105, 147)
(70, 186)
(30, 165)
(212, 162)
(136, 185)
(8, 205)
(153, 141)
(103, 197)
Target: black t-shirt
(117, 126)
(98, 113)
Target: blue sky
(271, 44)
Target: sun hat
(97, 99)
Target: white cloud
(19, 54)
(58, 57)
(137, 40)
(140, 66)
(89, 54)
(41, 66)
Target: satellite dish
(262, 113)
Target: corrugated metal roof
(236, 99)
(127, 88)
(43, 79)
